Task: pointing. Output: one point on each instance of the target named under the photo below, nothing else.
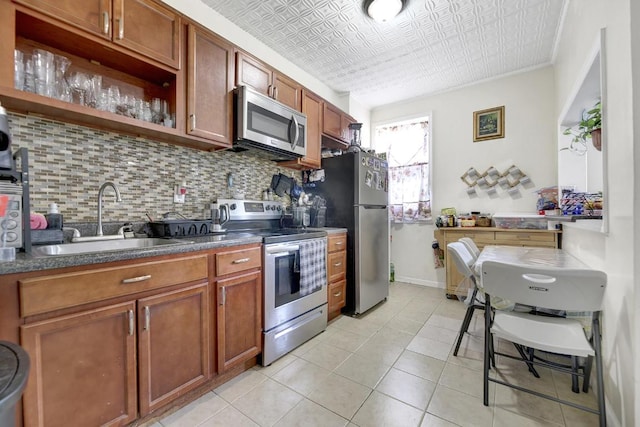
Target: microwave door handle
(294, 142)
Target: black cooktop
(281, 235)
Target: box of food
(520, 220)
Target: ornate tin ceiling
(433, 45)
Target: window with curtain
(408, 147)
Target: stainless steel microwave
(266, 124)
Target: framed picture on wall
(488, 124)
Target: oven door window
(287, 278)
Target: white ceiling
(433, 45)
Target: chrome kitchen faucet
(100, 192)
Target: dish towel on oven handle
(313, 269)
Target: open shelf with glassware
(94, 82)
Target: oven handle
(280, 250)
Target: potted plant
(589, 127)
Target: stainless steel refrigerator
(355, 187)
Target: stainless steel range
(294, 275)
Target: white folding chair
(471, 246)
(552, 288)
(464, 260)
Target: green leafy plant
(591, 121)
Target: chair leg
(525, 359)
(487, 348)
(575, 387)
(587, 374)
(599, 371)
(465, 323)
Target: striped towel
(313, 266)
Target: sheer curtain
(407, 146)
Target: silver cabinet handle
(193, 122)
(130, 314)
(224, 296)
(147, 317)
(105, 22)
(136, 279)
(337, 264)
(120, 22)
(340, 243)
(338, 294)
(270, 91)
(240, 261)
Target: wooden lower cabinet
(111, 344)
(83, 369)
(483, 236)
(173, 345)
(84, 365)
(336, 273)
(239, 319)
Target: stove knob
(279, 208)
(232, 206)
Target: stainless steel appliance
(295, 296)
(356, 191)
(266, 124)
(11, 225)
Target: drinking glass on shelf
(62, 64)
(114, 98)
(94, 91)
(156, 110)
(79, 84)
(44, 72)
(102, 100)
(146, 112)
(18, 71)
(29, 75)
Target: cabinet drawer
(336, 266)
(239, 260)
(336, 295)
(337, 242)
(523, 238)
(48, 293)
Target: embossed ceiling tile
(432, 45)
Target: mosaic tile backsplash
(68, 163)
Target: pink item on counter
(37, 221)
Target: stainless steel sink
(102, 246)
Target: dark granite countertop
(25, 262)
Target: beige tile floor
(393, 366)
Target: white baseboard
(415, 281)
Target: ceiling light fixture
(383, 10)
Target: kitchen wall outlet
(180, 192)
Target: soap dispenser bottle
(54, 217)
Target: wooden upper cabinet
(287, 91)
(148, 28)
(83, 369)
(312, 108)
(264, 79)
(142, 26)
(253, 73)
(335, 123)
(93, 16)
(209, 86)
